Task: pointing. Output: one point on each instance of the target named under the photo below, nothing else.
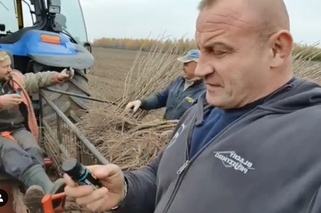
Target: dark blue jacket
(174, 98)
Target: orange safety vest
(8, 135)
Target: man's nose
(203, 70)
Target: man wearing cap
(180, 95)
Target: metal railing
(61, 139)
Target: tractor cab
(43, 21)
(47, 15)
(42, 35)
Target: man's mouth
(212, 84)
(213, 87)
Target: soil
(106, 78)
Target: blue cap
(192, 55)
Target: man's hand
(133, 105)
(66, 74)
(9, 100)
(103, 199)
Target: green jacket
(35, 81)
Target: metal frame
(61, 117)
(83, 149)
(80, 96)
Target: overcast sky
(137, 18)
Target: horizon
(123, 19)
(180, 22)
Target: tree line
(183, 45)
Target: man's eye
(219, 52)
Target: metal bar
(59, 129)
(40, 119)
(47, 202)
(80, 96)
(83, 139)
(61, 146)
(78, 152)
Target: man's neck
(272, 87)
(192, 79)
(281, 76)
(189, 82)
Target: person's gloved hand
(133, 105)
(103, 199)
(66, 74)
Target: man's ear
(281, 44)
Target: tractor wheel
(72, 107)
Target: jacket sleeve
(35, 81)
(142, 188)
(158, 100)
(141, 191)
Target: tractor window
(73, 22)
(8, 15)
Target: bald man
(257, 151)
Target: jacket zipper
(312, 202)
(182, 170)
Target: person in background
(180, 95)
(20, 155)
(256, 151)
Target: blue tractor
(55, 38)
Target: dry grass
(125, 138)
(307, 53)
(149, 74)
(127, 142)
(304, 65)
